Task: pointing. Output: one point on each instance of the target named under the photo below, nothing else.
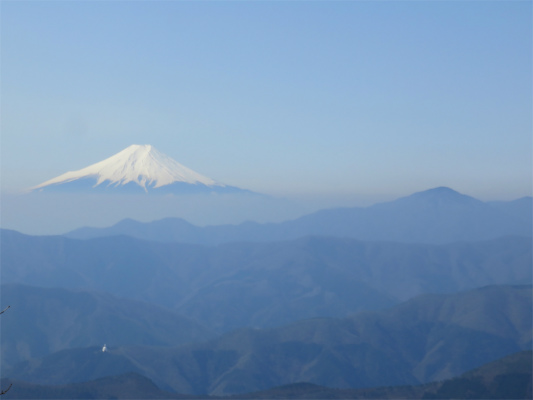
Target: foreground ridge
(507, 378)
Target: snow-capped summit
(136, 168)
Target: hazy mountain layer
(43, 320)
(261, 285)
(438, 215)
(432, 337)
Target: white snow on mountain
(140, 164)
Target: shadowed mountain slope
(46, 320)
(439, 215)
(506, 378)
(127, 386)
(431, 337)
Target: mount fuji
(136, 169)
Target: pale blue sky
(291, 98)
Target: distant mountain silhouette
(519, 208)
(429, 338)
(439, 215)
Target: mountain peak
(441, 194)
(138, 148)
(440, 190)
(136, 167)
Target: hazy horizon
(336, 100)
(59, 213)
